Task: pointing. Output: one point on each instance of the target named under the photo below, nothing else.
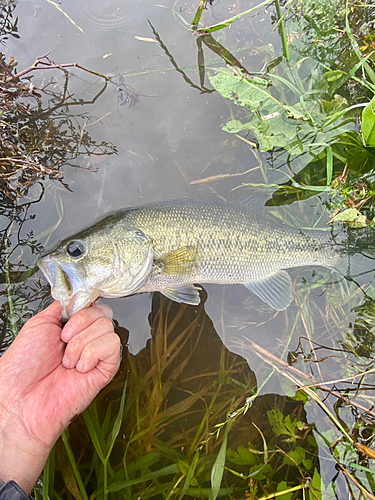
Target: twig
(346, 379)
(308, 334)
(356, 482)
(220, 177)
(44, 62)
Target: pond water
(193, 370)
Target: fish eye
(75, 248)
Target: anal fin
(275, 290)
(186, 294)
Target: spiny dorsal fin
(275, 290)
(180, 262)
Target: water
(187, 369)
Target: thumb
(51, 315)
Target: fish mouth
(66, 286)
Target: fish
(171, 246)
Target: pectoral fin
(275, 290)
(186, 294)
(180, 262)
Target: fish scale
(234, 244)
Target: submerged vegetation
(185, 418)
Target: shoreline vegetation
(177, 422)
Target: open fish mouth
(66, 286)
(69, 288)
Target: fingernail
(67, 334)
(79, 366)
(66, 362)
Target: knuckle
(90, 349)
(74, 345)
(104, 323)
(80, 319)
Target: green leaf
(300, 396)
(183, 466)
(233, 127)
(276, 420)
(243, 456)
(352, 217)
(260, 472)
(281, 487)
(333, 75)
(307, 463)
(368, 123)
(316, 485)
(243, 90)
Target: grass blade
(117, 424)
(198, 15)
(329, 165)
(94, 435)
(224, 24)
(218, 467)
(170, 469)
(189, 475)
(74, 465)
(49, 475)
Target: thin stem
(282, 31)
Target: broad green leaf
(299, 129)
(368, 123)
(243, 90)
(333, 75)
(352, 217)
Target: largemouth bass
(167, 247)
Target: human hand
(48, 376)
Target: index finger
(83, 319)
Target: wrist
(23, 456)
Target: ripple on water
(110, 15)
